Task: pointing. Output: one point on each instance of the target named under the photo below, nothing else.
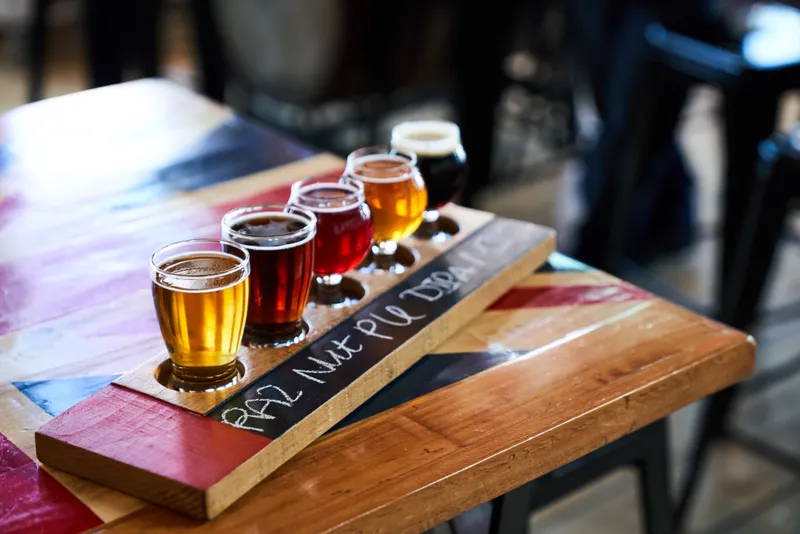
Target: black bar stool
(479, 80)
(36, 46)
(752, 83)
(209, 51)
(646, 450)
(777, 184)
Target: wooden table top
(92, 183)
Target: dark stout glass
(443, 163)
(447, 175)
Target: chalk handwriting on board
(369, 327)
(440, 283)
(344, 353)
(326, 367)
(257, 408)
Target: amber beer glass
(280, 240)
(344, 233)
(396, 195)
(200, 292)
(443, 163)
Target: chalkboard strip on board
(308, 379)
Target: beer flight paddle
(323, 232)
(301, 312)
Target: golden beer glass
(396, 195)
(200, 290)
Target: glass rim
(448, 143)
(304, 234)
(353, 199)
(379, 152)
(243, 264)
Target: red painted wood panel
(155, 436)
(579, 295)
(32, 501)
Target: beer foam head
(427, 138)
(193, 272)
(269, 226)
(383, 168)
(328, 196)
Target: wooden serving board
(320, 320)
(198, 453)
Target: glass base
(397, 262)
(436, 228)
(263, 337)
(193, 379)
(344, 293)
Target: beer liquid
(202, 319)
(280, 275)
(444, 176)
(343, 231)
(397, 205)
(443, 164)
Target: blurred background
(657, 137)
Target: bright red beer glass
(344, 233)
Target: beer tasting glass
(344, 233)
(396, 195)
(443, 163)
(280, 240)
(200, 292)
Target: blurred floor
(742, 493)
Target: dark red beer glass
(344, 233)
(280, 240)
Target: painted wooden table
(92, 183)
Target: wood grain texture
(409, 468)
(573, 295)
(122, 424)
(119, 171)
(241, 480)
(20, 419)
(31, 500)
(134, 442)
(104, 315)
(158, 452)
(320, 319)
(568, 278)
(121, 159)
